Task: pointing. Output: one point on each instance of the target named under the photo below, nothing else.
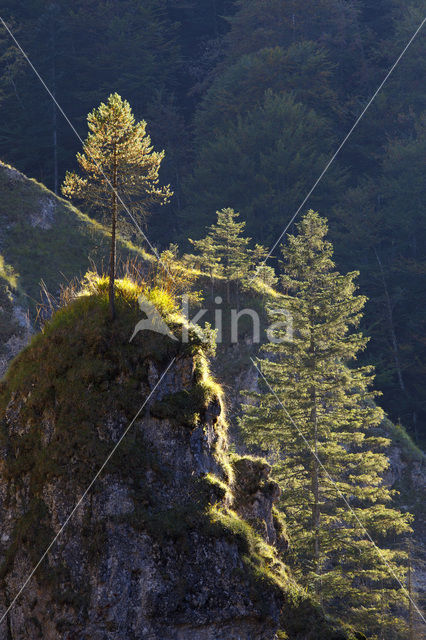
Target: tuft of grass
(220, 488)
(262, 564)
(162, 300)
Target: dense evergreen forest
(250, 99)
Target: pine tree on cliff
(120, 171)
(224, 249)
(320, 426)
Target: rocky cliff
(15, 326)
(177, 539)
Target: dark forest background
(250, 98)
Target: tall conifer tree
(224, 248)
(320, 423)
(120, 170)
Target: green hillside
(45, 238)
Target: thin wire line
(342, 144)
(86, 492)
(153, 249)
(379, 551)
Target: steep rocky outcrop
(172, 542)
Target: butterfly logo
(152, 322)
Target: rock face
(133, 583)
(154, 551)
(15, 328)
(407, 474)
(254, 497)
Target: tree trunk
(410, 596)
(391, 326)
(112, 259)
(55, 152)
(315, 487)
(54, 113)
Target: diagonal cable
(379, 551)
(344, 141)
(83, 496)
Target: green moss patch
(399, 437)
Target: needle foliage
(119, 171)
(318, 422)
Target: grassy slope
(43, 237)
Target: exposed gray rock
(16, 328)
(44, 215)
(254, 497)
(153, 551)
(125, 568)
